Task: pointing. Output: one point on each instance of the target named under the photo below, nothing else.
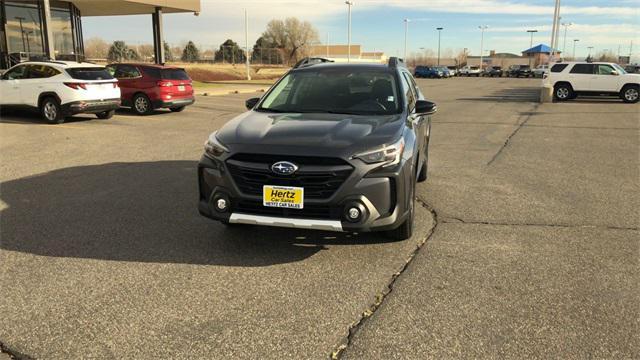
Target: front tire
(142, 104)
(404, 231)
(51, 111)
(630, 94)
(106, 114)
(563, 92)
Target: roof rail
(309, 61)
(396, 62)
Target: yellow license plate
(283, 196)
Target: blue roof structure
(542, 48)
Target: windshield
(621, 71)
(342, 91)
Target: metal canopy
(134, 7)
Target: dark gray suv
(330, 146)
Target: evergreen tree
(190, 53)
(230, 52)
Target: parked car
(300, 158)
(492, 71)
(571, 79)
(540, 70)
(58, 89)
(470, 71)
(445, 71)
(146, 87)
(632, 69)
(428, 72)
(453, 70)
(519, 71)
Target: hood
(335, 131)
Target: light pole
(564, 44)
(590, 48)
(439, 33)
(350, 4)
(406, 34)
(482, 29)
(246, 42)
(574, 48)
(531, 43)
(554, 29)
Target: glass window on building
(23, 29)
(61, 28)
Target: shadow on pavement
(31, 116)
(142, 212)
(523, 94)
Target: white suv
(470, 71)
(570, 79)
(61, 88)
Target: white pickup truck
(470, 71)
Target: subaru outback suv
(336, 147)
(571, 79)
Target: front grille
(308, 212)
(320, 177)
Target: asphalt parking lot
(527, 242)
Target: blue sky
(378, 24)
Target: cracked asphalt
(535, 252)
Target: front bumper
(91, 106)
(157, 104)
(382, 197)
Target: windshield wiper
(271, 110)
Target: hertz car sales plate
(283, 196)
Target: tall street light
(246, 43)
(439, 33)
(531, 43)
(406, 34)
(350, 4)
(482, 29)
(574, 48)
(590, 48)
(564, 44)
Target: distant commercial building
(539, 54)
(498, 59)
(340, 53)
(51, 29)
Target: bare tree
(96, 48)
(291, 36)
(146, 52)
(606, 56)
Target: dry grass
(225, 72)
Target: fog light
(221, 204)
(354, 214)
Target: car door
(36, 83)
(10, 85)
(604, 78)
(418, 121)
(128, 77)
(580, 77)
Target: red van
(146, 87)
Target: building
(50, 29)
(539, 54)
(340, 53)
(498, 59)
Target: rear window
(89, 73)
(558, 68)
(174, 74)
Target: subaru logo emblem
(284, 168)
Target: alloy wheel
(141, 104)
(562, 93)
(631, 94)
(50, 111)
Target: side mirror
(614, 72)
(424, 107)
(251, 103)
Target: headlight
(387, 156)
(213, 147)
